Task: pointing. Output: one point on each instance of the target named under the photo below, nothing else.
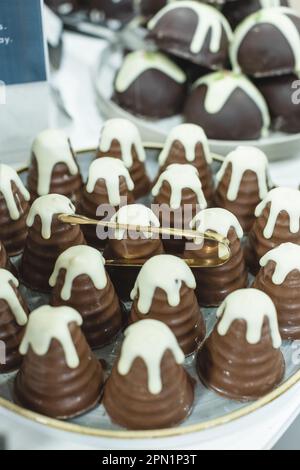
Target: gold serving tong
(219, 258)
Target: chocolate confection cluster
(131, 280)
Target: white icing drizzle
(165, 272)
(252, 306)
(269, 3)
(149, 340)
(127, 134)
(189, 135)
(243, 159)
(51, 147)
(8, 294)
(8, 176)
(220, 87)
(138, 62)
(47, 323)
(79, 260)
(181, 177)
(281, 199)
(110, 170)
(46, 207)
(287, 259)
(278, 17)
(210, 20)
(135, 214)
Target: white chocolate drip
(77, 261)
(287, 259)
(7, 293)
(210, 20)
(138, 62)
(245, 159)
(220, 87)
(252, 306)
(280, 19)
(189, 135)
(46, 207)
(51, 147)
(281, 199)
(8, 176)
(137, 215)
(127, 134)
(181, 177)
(110, 170)
(164, 272)
(149, 340)
(51, 323)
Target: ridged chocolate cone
(11, 333)
(62, 182)
(286, 298)
(129, 403)
(216, 283)
(137, 171)
(40, 255)
(100, 309)
(45, 384)
(236, 369)
(257, 245)
(247, 200)
(13, 232)
(185, 320)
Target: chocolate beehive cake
(79, 281)
(187, 143)
(236, 11)
(131, 245)
(241, 359)
(60, 377)
(279, 277)
(157, 392)
(14, 207)
(47, 238)
(277, 221)
(120, 138)
(164, 291)
(151, 85)
(109, 184)
(13, 318)
(215, 283)
(193, 31)
(53, 169)
(228, 107)
(243, 181)
(255, 38)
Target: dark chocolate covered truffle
(237, 10)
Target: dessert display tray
(209, 410)
(277, 145)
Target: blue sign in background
(22, 54)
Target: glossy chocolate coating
(100, 309)
(239, 119)
(174, 33)
(4, 259)
(215, 284)
(286, 298)
(11, 334)
(257, 245)
(130, 404)
(137, 171)
(152, 95)
(46, 385)
(236, 369)
(247, 199)
(40, 255)
(185, 320)
(236, 11)
(148, 8)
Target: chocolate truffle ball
(228, 107)
(149, 84)
(193, 31)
